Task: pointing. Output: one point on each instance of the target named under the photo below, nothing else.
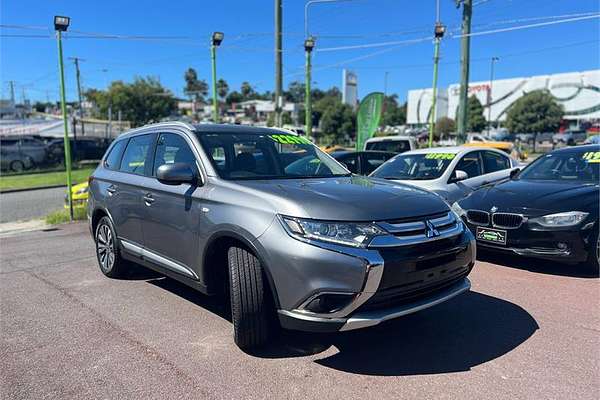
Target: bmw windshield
(571, 166)
(268, 156)
(414, 167)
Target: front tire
(593, 261)
(249, 299)
(107, 251)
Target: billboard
(349, 88)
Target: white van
(394, 144)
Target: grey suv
(263, 214)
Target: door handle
(148, 199)
(111, 190)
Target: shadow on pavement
(536, 265)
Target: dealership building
(578, 92)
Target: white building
(578, 92)
(349, 88)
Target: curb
(33, 188)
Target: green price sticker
(591, 156)
(290, 139)
(440, 156)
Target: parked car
(593, 139)
(530, 138)
(21, 153)
(79, 194)
(393, 144)
(362, 162)
(284, 228)
(548, 210)
(570, 138)
(86, 148)
(451, 172)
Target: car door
(172, 227)
(472, 164)
(496, 166)
(371, 161)
(125, 187)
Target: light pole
(493, 60)
(60, 25)
(439, 31)
(309, 44)
(217, 38)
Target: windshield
(415, 166)
(565, 166)
(394, 146)
(268, 156)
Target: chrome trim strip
(445, 220)
(371, 318)
(396, 241)
(162, 261)
(404, 227)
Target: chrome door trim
(158, 259)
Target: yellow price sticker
(591, 156)
(440, 156)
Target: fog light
(562, 246)
(329, 302)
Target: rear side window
(135, 157)
(113, 158)
(493, 162)
(373, 161)
(394, 146)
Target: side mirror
(514, 173)
(176, 174)
(458, 176)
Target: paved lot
(526, 331)
(30, 204)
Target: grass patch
(30, 181)
(62, 216)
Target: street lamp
(438, 31)
(217, 38)
(309, 45)
(61, 24)
(493, 60)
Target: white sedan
(451, 172)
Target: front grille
(477, 217)
(507, 220)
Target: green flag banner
(367, 120)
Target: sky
(176, 37)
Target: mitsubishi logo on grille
(430, 230)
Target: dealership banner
(367, 120)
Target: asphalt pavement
(527, 330)
(30, 204)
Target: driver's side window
(172, 148)
(469, 163)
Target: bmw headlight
(570, 218)
(345, 233)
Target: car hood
(347, 198)
(534, 198)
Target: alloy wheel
(105, 247)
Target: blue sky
(247, 51)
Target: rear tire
(17, 166)
(249, 299)
(593, 261)
(107, 250)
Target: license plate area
(489, 235)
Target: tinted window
(394, 146)
(493, 162)
(114, 157)
(136, 154)
(565, 166)
(415, 166)
(351, 162)
(172, 148)
(373, 161)
(267, 156)
(471, 164)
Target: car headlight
(458, 210)
(344, 233)
(570, 218)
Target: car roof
(449, 149)
(384, 138)
(577, 149)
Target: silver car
(264, 215)
(451, 172)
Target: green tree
(194, 87)
(393, 114)
(338, 123)
(141, 102)
(295, 92)
(247, 91)
(234, 97)
(535, 112)
(444, 126)
(475, 120)
(222, 88)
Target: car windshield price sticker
(440, 156)
(290, 139)
(592, 156)
(491, 235)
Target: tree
(234, 97)
(535, 112)
(338, 123)
(393, 114)
(475, 120)
(194, 87)
(295, 92)
(141, 102)
(222, 88)
(247, 91)
(444, 126)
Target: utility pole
(438, 31)
(76, 62)
(217, 38)
(385, 83)
(278, 63)
(464, 68)
(489, 121)
(309, 45)
(12, 92)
